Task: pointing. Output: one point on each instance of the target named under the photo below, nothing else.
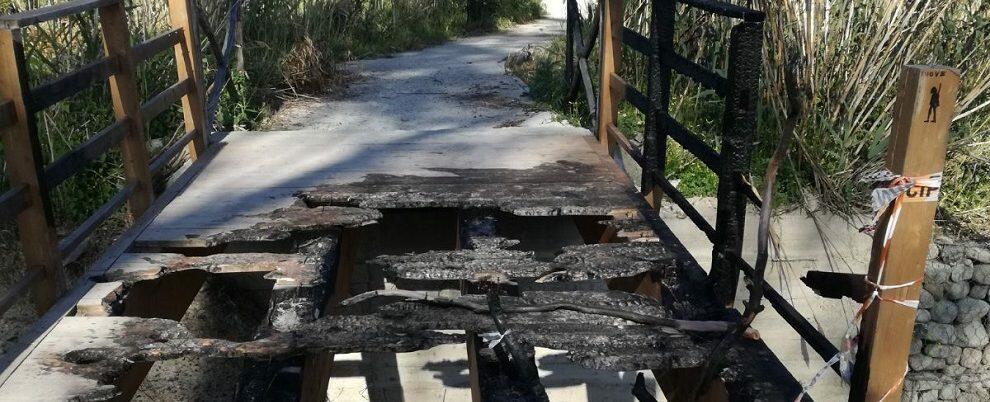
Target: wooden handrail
(171, 152)
(39, 15)
(18, 288)
(629, 93)
(160, 102)
(635, 41)
(71, 83)
(149, 48)
(70, 244)
(623, 142)
(12, 203)
(75, 160)
(28, 201)
(696, 72)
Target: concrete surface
(463, 85)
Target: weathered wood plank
(101, 300)
(574, 263)
(297, 269)
(280, 224)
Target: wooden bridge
(446, 217)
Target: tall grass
(847, 55)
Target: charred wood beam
(470, 304)
(292, 305)
(595, 341)
(538, 191)
(835, 285)
(284, 222)
(512, 370)
(574, 263)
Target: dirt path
(459, 85)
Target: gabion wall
(950, 353)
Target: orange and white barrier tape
(898, 190)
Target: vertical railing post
(611, 53)
(658, 90)
(569, 62)
(22, 152)
(127, 105)
(923, 111)
(738, 131)
(182, 14)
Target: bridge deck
(265, 198)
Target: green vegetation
(848, 57)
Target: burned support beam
(506, 369)
(294, 302)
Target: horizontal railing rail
(151, 47)
(61, 88)
(726, 9)
(12, 203)
(159, 162)
(91, 150)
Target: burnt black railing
(739, 88)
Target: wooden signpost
(924, 109)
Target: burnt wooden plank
(135, 267)
(280, 224)
(594, 341)
(574, 263)
(551, 189)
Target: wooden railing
(32, 181)
(740, 90)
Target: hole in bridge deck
(235, 306)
